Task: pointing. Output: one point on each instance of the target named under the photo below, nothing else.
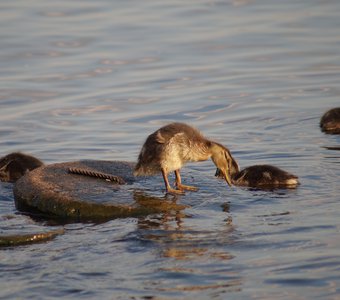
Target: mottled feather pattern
(172, 146)
(264, 175)
(169, 147)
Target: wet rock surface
(55, 192)
(17, 230)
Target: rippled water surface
(91, 79)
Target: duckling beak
(227, 178)
(225, 175)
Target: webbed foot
(174, 192)
(182, 187)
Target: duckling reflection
(16, 164)
(172, 146)
(176, 239)
(330, 121)
(263, 176)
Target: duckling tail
(137, 172)
(140, 170)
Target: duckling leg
(181, 186)
(168, 188)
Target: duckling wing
(169, 148)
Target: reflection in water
(167, 204)
(231, 286)
(186, 251)
(332, 147)
(331, 155)
(90, 79)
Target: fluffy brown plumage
(16, 164)
(263, 176)
(330, 121)
(172, 146)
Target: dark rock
(19, 230)
(52, 191)
(29, 238)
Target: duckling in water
(263, 176)
(170, 147)
(16, 164)
(330, 121)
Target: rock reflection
(169, 207)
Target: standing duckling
(16, 164)
(263, 176)
(172, 146)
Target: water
(91, 79)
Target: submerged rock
(29, 238)
(16, 230)
(330, 121)
(54, 191)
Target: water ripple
(94, 80)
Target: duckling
(330, 121)
(16, 164)
(172, 146)
(263, 176)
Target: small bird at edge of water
(172, 146)
(17, 164)
(330, 121)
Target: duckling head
(224, 162)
